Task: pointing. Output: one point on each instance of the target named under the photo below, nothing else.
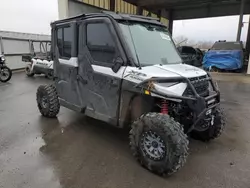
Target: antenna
(134, 46)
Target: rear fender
(33, 63)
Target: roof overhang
(190, 9)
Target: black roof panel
(116, 16)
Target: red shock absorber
(164, 106)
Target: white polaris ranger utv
(125, 70)
(39, 62)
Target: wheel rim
(153, 145)
(5, 74)
(50, 75)
(27, 70)
(44, 102)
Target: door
(65, 64)
(99, 51)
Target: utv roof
(116, 16)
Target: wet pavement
(73, 151)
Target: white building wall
(69, 8)
(63, 9)
(77, 8)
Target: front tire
(47, 101)
(159, 143)
(213, 131)
(5, 74)
(28, 71)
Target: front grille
(201, 85)
(197, 79)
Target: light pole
(240, 20)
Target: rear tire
(47, 101)
(173, 143)
(28, 71)
(214, 131)
(4, 70)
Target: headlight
(2, 58)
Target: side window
(60, 41)
(67, 41)
(100, 42)
(64, 41)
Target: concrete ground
(73, 151)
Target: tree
(180, 40)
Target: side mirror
(118, 62)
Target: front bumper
(201, 108)
(198, 104)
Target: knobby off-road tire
(47, 101)
(28, 71)
(173, 137)
(213, 131)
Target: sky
(29, 16)
(211, 29)
(35, 16)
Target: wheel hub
(44, 102)
(153, 145)
(4, 73)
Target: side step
(71, 106)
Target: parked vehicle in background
(200, 52)
(224, 56)
(191, 56)
(39, 62)
(5, 72)
(104, 70)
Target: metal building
(14, 44)
(68, 8)
(166, 10)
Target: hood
(167, 71)
(184, 70)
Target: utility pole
(248, 46)
(242, 5)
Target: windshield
(150, 44)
